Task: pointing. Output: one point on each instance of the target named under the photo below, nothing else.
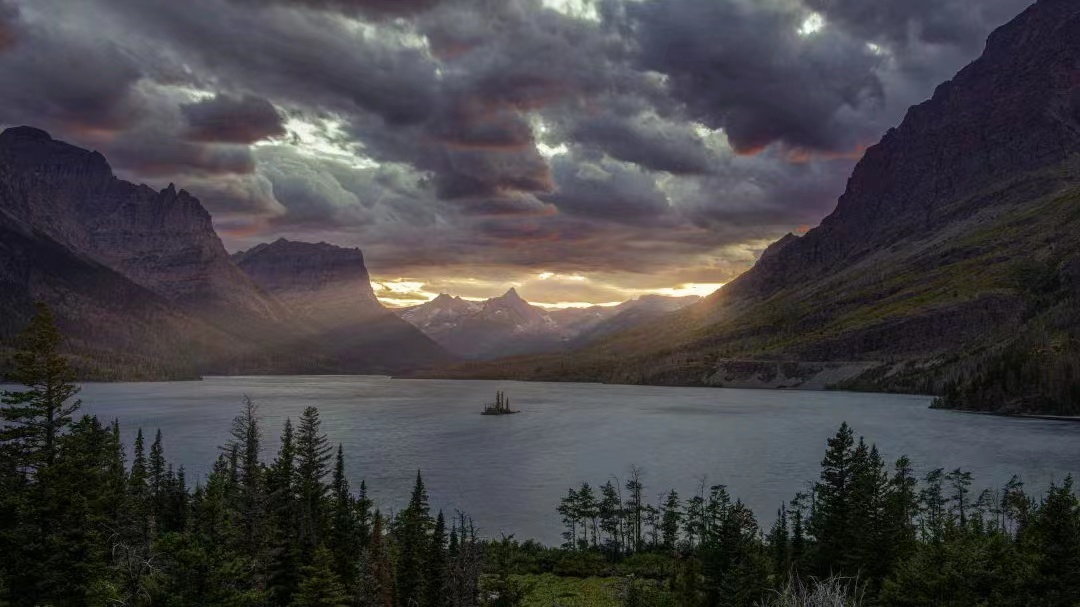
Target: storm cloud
(633, 143)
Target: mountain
(161, 240)
(328, 289)
(509, 325)
(144, 288)
(949, 266)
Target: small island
(500, 407)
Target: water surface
(509, 472)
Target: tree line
(83, 524)
(898, 539)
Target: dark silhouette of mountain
(950, 265)
(328, 288)
(143, 285)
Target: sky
(582, 151)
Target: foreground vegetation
(81, 523)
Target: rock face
(163, 241)
(508, 325)
(144, 288)
(312, 278)
(328, 289)
(948, 266)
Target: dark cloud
(306, 58)
(374, 8)
(647, 141)
(9, 13)
(613, 191)
(744, 67)
(902, 23)
(149, 156)
(65, 80)
(230, 119)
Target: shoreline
(1032, 416)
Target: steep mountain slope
(949, 265)
(163, 241)
(114, 328)
(327, 288)
(508, 325)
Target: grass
(549, 589)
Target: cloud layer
(622, 142)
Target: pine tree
(282, 509)
(830, 521)
(32, 420)
(435, 568)
(671, 521)
(313, 455)
(320, 586)
(589, 513)
(569, 510)
(933, 519)
(245, 441)
(412, 529)
(344, 541)
(779, 545)
(611, 518)
(1055, 536)
(960, 483)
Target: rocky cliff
(328, 289)
(161, 240)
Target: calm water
(509, 472)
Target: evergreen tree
(589, 514)
(245, 441)
(32, 419)
(435, 569)
(569, 509)
(282, 506)
(831, 517)
(779, 544)
(960, 484)
(320, 586)
(344, 538)
(412, 529)
(671, 521)
(1054, 534)
(611, 518)
(313, 455)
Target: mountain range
(509, 325)
(950, 266)
(143, 287)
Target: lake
(509, 472)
